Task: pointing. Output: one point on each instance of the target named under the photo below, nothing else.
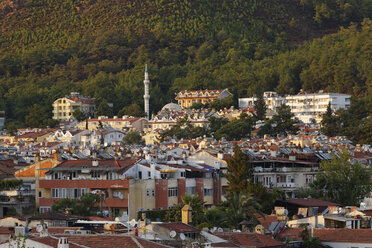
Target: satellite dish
(172, 234)
(219, 229)
(39, 228)
(117, 219)
(182, 236)
(284, 169)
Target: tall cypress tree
(329, 123)
(238, 171)
(260, 107)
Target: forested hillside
(99, 48)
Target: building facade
(74, 178)
(311, 107)
(187, 98)
(63, 108)
(306, 107)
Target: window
(190, 190)
(95, 174)
(149, 174)
(44, 209)
(58, 175)
(72, 175)
(172, 192)
(112, 176)
(40, 194)
(147, 192)
(140, 174)
(77, 193)
(60, 193)
(208, 192)
(153, 192)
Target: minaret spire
(146, 96)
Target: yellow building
(63, 108)
(187, 98)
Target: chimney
(186, 214)
(63, 243)
(55, 156)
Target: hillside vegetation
(99, 48)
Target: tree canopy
(342, 181)
(99, 49)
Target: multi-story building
(187, 98)
(123, 124)
(306, 107)
(74, 178)
(272, 101)
(63, 108)
(161, 185)
(289, 175)
(310, 107)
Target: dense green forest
(99, 48)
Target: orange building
(187, 98)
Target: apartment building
(187, 98)
(287, 174)
(311, 107)
(124, 124)
(63, 108)
(74, 178)
(271, 98)
(161, 185)
(306, 107)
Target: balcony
(286, 185)
(115, 202)
(90, 184)
(108, 202)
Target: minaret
(146, 96)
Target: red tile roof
(292, 233)
(53, 241)
(250, 239)
(33, 135)
(87, 163)
(6, 171)
(266, 220)
(344, 235)
(179, 227)
(109, 241)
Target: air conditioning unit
(70, 232)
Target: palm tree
(241, 206)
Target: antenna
(182, 236)
(172, 234)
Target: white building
(63, 108)
(309, 107)
(272, 101)
(305, 107)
